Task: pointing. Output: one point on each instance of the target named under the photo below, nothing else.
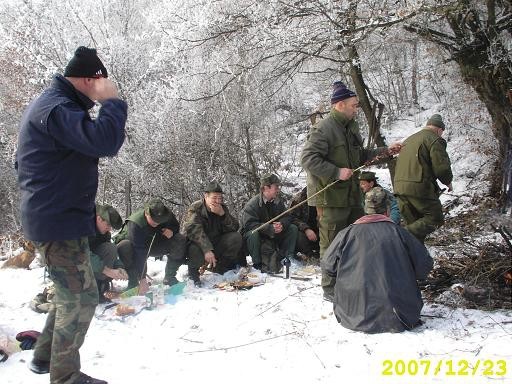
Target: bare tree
(474, 36)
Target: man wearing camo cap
(376, 264)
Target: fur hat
(85, 63)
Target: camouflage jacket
(205, 228)
(256, 212)
(422, 161)
(334, 143)
(304, 217)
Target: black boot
(85, 379)
(103, 286)
(39, 366)
(171, 268)
(193, 274)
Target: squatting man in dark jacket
(376, 264)
(305, 218)
(150, 231)
(104, 258)
(57, 164)
(277, 240)
(212, 234)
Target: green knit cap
(437, 121)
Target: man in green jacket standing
(333, 149)
(212, 234)
(422, 162)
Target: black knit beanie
(85, 63)
(340, 92)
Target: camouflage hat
(157, 210)
(269, 179)
(213, 186)
(375, 201)
(367, 176)
(110, 215)
(437, 121)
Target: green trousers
(421, 216)
(72, 309)
(262, 247)
(331, 221)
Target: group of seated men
(212, 237)
(372, 260)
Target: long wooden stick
(145, 269)
(304, 201)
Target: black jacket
(376, 266)
(256, 212)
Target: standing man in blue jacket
(57, 164)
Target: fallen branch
(240, 345)
(280, 301)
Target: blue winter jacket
(57, 160)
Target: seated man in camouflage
(368, 182)
(275, 241)
(150, 231)
(104, 258)
(304, 217)
(212, 234)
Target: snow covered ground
(281, 331)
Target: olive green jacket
(422, 161)
(334, 143)
(205, 228)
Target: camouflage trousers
(75, 300)
(331, 221)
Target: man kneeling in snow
(376, 264)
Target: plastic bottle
(286, 269)
(160, 297)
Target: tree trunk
(254, 183)
(493, 95)
(414, 75)
(127, 198)
(371, 107)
